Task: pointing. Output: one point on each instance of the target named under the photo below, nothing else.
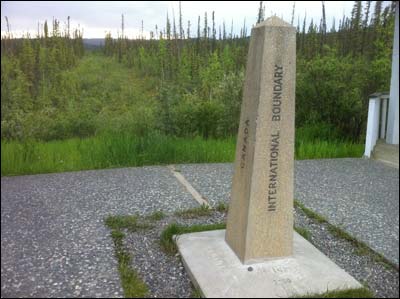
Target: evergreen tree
(261, 12)
(181, 32)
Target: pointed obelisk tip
(274, 21)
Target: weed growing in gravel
(361, 247)
(351, 293)
(203, 210)
(156, 216)
(128, 222)
(303, 232)
(196, 293)
(117, 237)
(339, 233)
(222, 207)
(309, 213)
(167, 242)
(133, 285)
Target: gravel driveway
(53, 239)
(54, 242)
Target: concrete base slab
(217, 272)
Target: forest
(175, 96)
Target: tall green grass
(109, 151)
(123, 150)
(322, 141)
(328, 149)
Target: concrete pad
(217, 271)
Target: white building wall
(372, 125)
(392, 136)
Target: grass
(196, 293)
(156, 216)
(322, 141)
(328, 149)
(110, 151)
(360, 247)
(221, 207)
(167, 242)
(303, 232)
(132, 284)
(350, 293)
(311, 214)
(128, 222)
(126, 150)
(203, 210)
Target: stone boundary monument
(259, 254)
(260, 221)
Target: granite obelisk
(260, 219)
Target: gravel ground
(53, 239)
(166, 277)
(54, 242)
(164, 274)
(359, 195)
(383, 281)
(213, 180)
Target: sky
(97, 17)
